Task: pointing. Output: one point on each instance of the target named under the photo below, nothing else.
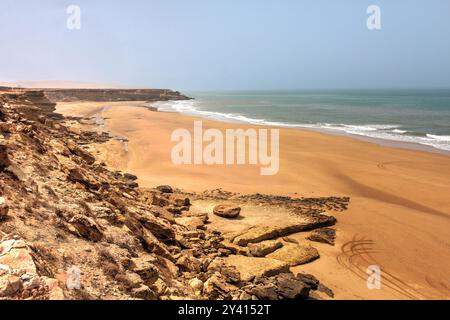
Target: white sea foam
(439, 138)
(378, 131)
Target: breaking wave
(391, 132)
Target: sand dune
(399, 215)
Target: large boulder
(295, 254)
(227, 211)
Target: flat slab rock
(295, 254)
(251, 267)
(263, 248)
(258, 234)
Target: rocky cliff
(66, 95)
(69, 95)
(72, 229)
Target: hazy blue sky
(228, 44)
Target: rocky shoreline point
(72, 229)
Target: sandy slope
(399, 215)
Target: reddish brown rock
(265, 291)
(263, 248)
(145, 267)
(81, 176)
(216, 287)
(160, 200)
(3, 208)
(153, 245)
(261, 233)
(86, 228)
(19, 278)
(191, 223)
(6, 127)
(289, 287)
(163, 213)
(10, 285)
(160, 228)
(180, 201)
(324, 235)
(165, 189)
(227, 211)
(76, 150)
(4, 159)
(144, 292)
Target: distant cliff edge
(69, 95)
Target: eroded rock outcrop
(258, 234)
(19, 278)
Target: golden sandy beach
(399, 213)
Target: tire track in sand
(356, 255)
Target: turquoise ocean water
(417, 116)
